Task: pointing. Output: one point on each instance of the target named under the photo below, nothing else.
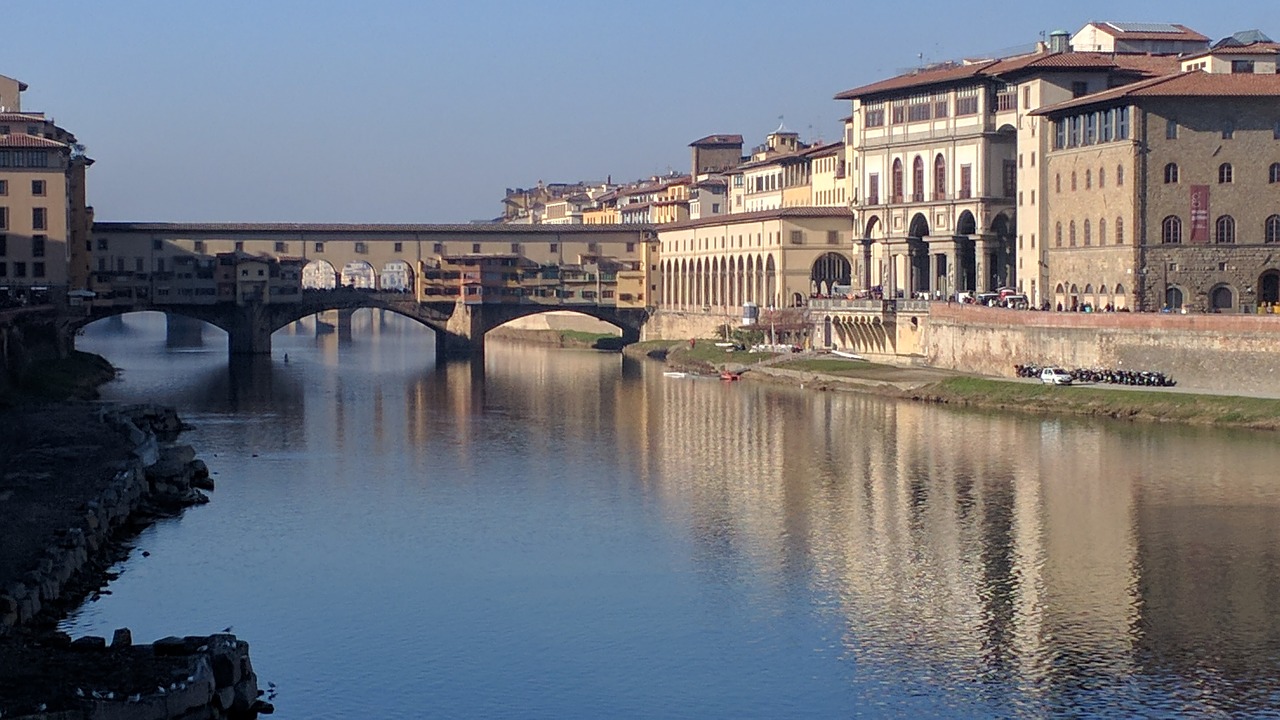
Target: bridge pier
(249, 330)
(344, 324)
(464, 333)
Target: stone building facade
(1202, 172)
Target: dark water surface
(560, 534)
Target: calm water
(560, 534)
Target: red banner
(1199, 213)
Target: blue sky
(396, 111)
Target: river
(565, 534)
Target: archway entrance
(1221, 299)
(1269, 287)
(829, 271)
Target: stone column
(249, 331)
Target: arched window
(1057, 183)
(1171, 173)
(1057, 235)
(1273, 175)
(1102, 177)
(897, 180)
(1071, 234)
(1102, 231)
(939, 178)
(1271, 232)
(917, 180)
(1088, 234)
(1119, 231)
(1073, 181)
(1224, 173)
(1171, 230)
(1119, 175)
(1225, 232)
(1088, 179)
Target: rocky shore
(77, 480)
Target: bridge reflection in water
(816, 554)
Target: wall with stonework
(1233, 354)
(671, 325)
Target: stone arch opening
(829, 270)
(1222, 298)
(319, 275)
(359, 274)
(1173, 297)
(1269, 287)
(966, 224)
(396, 276)
(872, 228)
(919, 227)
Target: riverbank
(77, 481)
(923, 384)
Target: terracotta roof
(1177, 32)
(30, 141)
(1258, 48)
(337, 228)
(919, 78)
(1183, 84)
(22, 117)
(827, 149)
(717, 140)
(786, 212)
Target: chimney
(1060, 41)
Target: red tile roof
(1181, 32)
(786, 212)
(401, 229)
(1258, 48)
(1183, 84)
(929, 76)
(30, 141)
(21, 117)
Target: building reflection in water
(1061, 556)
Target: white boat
(674, 374)
(847, 355)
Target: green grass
(852, 368)
(1262, 413)
(585, 337)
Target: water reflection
(550, 533)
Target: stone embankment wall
(213, 677)
(1230, 354)
(671, 325)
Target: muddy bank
(77, 480)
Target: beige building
(1134, 37)
(1169, 194)
(773, 258)
(44, 219)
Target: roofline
(760, 215)
(386, 228)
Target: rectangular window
(1171, 129)
(239, 246)
(4, 187)
(940, 103)
(137, 265)
(1122, 123)
(918, 108)
(555, 247)
(282, 247)
(1060, 134)
(631, 247)
(1077, 132)
(4, 245)
(1091, 129)
(874, 115)
(37, 246)
(199, 246)
(39, 218)
(1078, 88)
(157, 244)
(967, 101)
(1228, 130)
(515, 248)
(37, 188)
(319, 247)
(4, 269)
(438, 248)
(1026, 97)
(873, 189)
(797, 237)
(966, 181)
(398, 247)
(1107, 132)
(1242, 66)
(1010, 178)
(362, 248)
(475, 248)
(1006, 98)
(899, 111)
(4, 218)
(19, 269)
(833, 237)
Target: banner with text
(1199, 213)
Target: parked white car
(1055, 376)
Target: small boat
(847, 355)
(730, 375)
(674, 374)
(725, 344)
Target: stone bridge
(460, 327)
